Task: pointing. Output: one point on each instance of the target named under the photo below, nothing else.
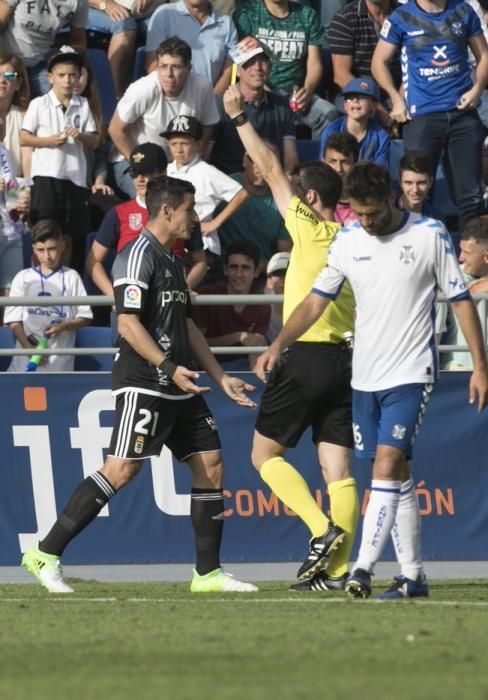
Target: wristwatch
(102, 6)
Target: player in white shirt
(57, 323)
(151, 102)
(394, 261)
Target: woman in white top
(15, 162)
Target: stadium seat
(103, 75)
(307, 149)
(93, 337)
(7, 341)
(139, 63)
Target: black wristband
(240, 119)
(167, 367)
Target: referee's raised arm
(265, 159)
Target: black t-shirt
(150, 283)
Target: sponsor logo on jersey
(417, 32)
(307, 213)
(385, 29)
(362, 258)
(135, 221)
(398, 432)
(132, 297)
(173, 296)
(440, 57)
(407, 254)
(139, 444)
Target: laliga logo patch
(385, 29)
(135, 221)
(139, 444)
(132, 297)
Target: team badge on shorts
(398, 432)
(135, 221)
(212, 424)
(139, 444)
(132, 297)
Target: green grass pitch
(156, 640)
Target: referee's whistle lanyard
(52, 310)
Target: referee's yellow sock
(292, 489)
(344, 511)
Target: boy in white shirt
(58, 323)
(212, 186)
(58, 126)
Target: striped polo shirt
(352, 32)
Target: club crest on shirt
(132, 297)
(135, 221)
(407, 254)
(139, 444)
(457, 28)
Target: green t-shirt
(258, 220)
(288, 38)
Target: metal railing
(198, 300)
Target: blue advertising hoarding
(56, 429)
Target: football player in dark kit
(157, 400)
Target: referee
(312, 385)
(157, 400)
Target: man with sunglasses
(28, 30)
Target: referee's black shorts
(311, 386)
(145, 423)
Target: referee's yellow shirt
(311, 241)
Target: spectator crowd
(400, 84)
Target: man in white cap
(275, 284)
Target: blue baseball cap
(362, 86)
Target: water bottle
(35, 360)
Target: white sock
(406, 532)
(378, 521)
